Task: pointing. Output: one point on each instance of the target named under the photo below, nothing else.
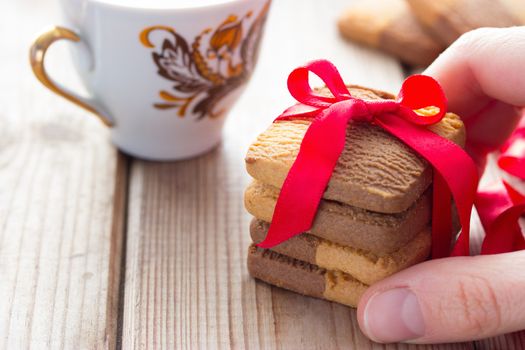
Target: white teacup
(162, 74)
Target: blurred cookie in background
(389, 25)
(416, 31)
(448, 19)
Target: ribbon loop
(299, 86)
(423, 95)
(325, 140)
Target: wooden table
(98, 250)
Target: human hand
(462, 298)
(482, 75)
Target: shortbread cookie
(390, 26)
(364, 266)
(375, 171)
(448, 19)
(304, 278)
(347, 225)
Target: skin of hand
(462, 298)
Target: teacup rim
(122, 6)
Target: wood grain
(65, 211)
(60, 203)
(186, 280)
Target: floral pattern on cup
(216, 63)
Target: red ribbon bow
(499, 208)
(454, 171)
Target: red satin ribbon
(512, 158)
(454, 171)
(499, 208)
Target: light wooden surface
(59, 179)
(100, 251)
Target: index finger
(485, 64)
(482, 75)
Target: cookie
(516, 8)
(390, 26)
(375, 171)
(364, 266)
(448, 19)
(347, 225)
(304, 278)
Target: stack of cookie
(373, 220)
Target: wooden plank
(62, 187)
(186, 280)
(503, 342)
(187, 284)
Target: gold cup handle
(37, 55)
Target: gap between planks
(117, 262)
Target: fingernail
(393, 316)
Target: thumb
(447, 300)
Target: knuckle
(478, 307)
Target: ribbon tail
(519, 243)
(462, 246)
(500, 207)
(451, 162)
(441, 218)
(307, 179)
(504, 235)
